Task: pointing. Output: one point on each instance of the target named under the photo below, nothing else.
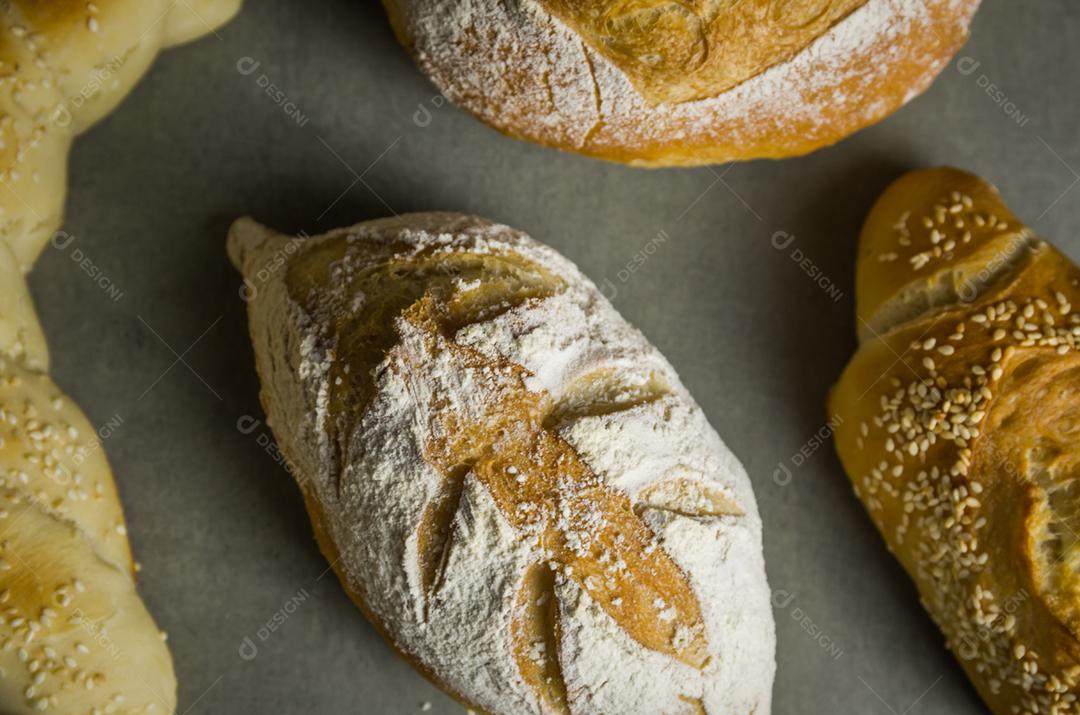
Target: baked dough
(667, 82)
(958, 425)
(74, 635)
(509, 480)
(64, 64)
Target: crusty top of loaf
(626, 81)
(675, 51)
(522, 493)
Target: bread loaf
(959, 419)
(508, 479)
(662, 83)
(74, 635)
(64, 65)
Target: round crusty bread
(509, 480)
(64, 64)
(74, 635)
(666, 83)
(957, 423)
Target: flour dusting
(610, 400)
(521, 69)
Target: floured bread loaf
(508, 479)
(74, 635)
(660, 82)
(64, 64)
(960, 416)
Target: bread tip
(245, 239)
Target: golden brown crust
(581, 84)
(677, 52)
(958, 424)
(934, 238)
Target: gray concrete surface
(225, 544)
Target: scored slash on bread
(936, 239)
(676, 52)
(961, 413)
(510, 482)
(513, 455)
(578, 523)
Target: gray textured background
(218, 525)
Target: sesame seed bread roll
(74, 635)
(665, 83)
(66, 64)
(508, 479)
(959, 422)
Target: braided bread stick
(74, 635)
(64, 64)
